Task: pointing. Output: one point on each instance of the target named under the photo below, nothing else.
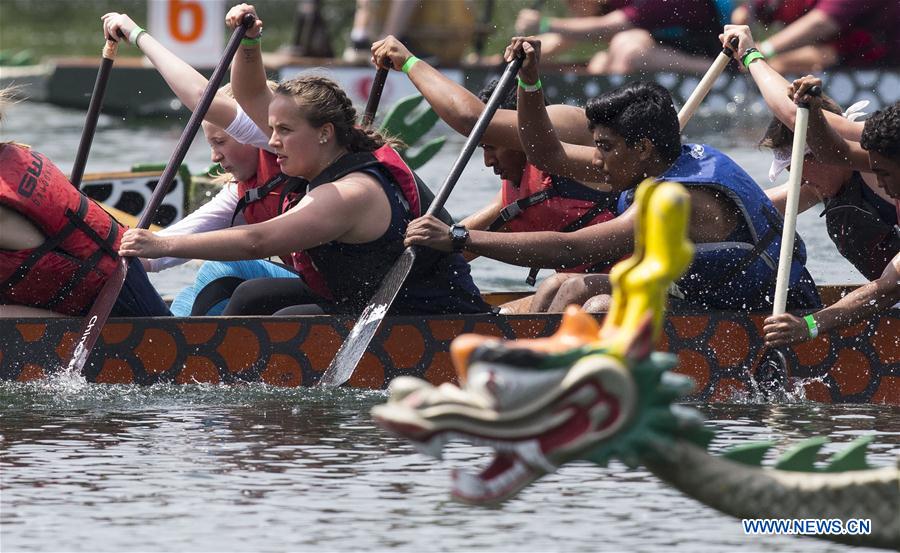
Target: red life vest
(547, 202)
(66, 272)
(262, 197)
(385, 159)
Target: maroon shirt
(654, 15)
(868, 28)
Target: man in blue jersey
(636, 134)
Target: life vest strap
(85, 267)
(106, 244)
(257, 194)
(53, 242)
(577, 224)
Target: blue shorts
(217, 280)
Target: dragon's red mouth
(504, 477)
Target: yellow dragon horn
(640, 288)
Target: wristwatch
(459, 235)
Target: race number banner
(193, 29)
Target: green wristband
(750, 57)
(811, 325)
(135, 34)
(250, 41)
(410, 61)
(544, 25)
(529, 87)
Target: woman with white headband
(859, 215)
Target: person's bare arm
(248, 74)
(823, 140)
(772, 84)
(481, 219)
(595, 28)
(863, 303)
(809, 197)
(460, 108)
(815, 26)
(603, 242)
(185, 81)
(538, 136)
(17, 232)
(330, 212)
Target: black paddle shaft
(190, 131)
(375, 96)
(93, 114)
(357, 342)
(106, 299)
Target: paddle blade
(354, 347)
(771, 375)
(96, 318)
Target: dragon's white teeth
(467, 485)
(530, 452)
(471, 487)
(432, 448)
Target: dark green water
(198, 468)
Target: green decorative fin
(421, 156)
(748, 454)
(397, 122)
(801, 457)
(852, 458)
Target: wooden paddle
(706, 83)
(106, 299)
(773, 367)
(93, 114)
(375, 96)
(351, 351)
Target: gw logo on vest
(31, 176)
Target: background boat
(136, 89)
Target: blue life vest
(738, 274)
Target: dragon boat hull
(858, 364)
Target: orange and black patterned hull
(860, 364)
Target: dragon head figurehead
(582, 393)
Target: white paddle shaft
(703, 88)
(790, 211)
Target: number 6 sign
(193, 29)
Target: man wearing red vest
(530, 199)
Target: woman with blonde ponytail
(352, 219)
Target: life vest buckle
(252, 195)
(511, 211)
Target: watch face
(458, 235)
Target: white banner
(193, 29)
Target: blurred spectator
(643, 35)
(311, 37)
(439, 30)
(822, 33)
